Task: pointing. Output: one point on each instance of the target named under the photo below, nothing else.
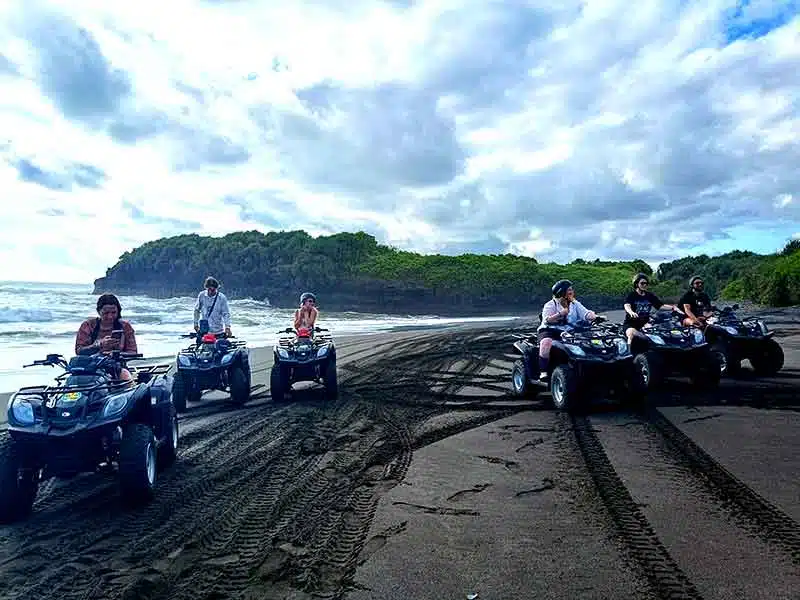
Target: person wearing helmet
(108, 331)
(696, 303)
(558, 315)
(638, 305)
(306, 315)
(212, 306)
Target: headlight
(22, 410)
(184, 360)
(226, 359)
(731, 330)
(283, 353)
(699, 338)
(622, 347)
(576, 350)
(115, 404)
(322, 351)
(763, 327)
(657, 339)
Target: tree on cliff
(351, 271)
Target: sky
(559, 130)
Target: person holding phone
(108, 331)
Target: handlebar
(293, 330)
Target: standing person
(212, 306)
(696, 303)
(108, 331)
(638, 305)
(558, 314)
(306, 315)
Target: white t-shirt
(577, 312)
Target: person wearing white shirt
(558, 314)
(212, 305)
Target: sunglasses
(644, 282)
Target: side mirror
(735, 307)
(288, 330)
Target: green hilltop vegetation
(351, 271)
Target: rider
(558, 314)
(108, 331)
(306, 315)
(696, 303)
(638, 305)
(213, 306)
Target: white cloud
(606, 129)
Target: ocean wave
(10, 314)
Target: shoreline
(261, 355)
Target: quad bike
(733, 339)
(212, 363)
(305, 355)
(591, 357)
(665, 347)
(90, 420)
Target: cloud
(573, 130)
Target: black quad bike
(591, 357)
(666, 348)
(303, 355)
(89, 421)
(212, 363)
(734, 339)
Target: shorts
(637, 323)
(548, 334)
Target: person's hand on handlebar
(228, 332)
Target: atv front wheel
(240, 387)
(331, 379)
(564, 389)
(179, 392)
(137, 463)
(729, 365)
(651, 368)
(519, 381)
(769, 359)
(708, 372)
(168, 449)
(277, 384)
(18, 486)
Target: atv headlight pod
(283, 352)
(575, 350)
(731, 330)
(698, 336)
(115, 404)
(656, 339)
(322, 351)
(622, 347)
(21, 410)
(184, 360)
(226, 359)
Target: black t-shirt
(642, 304)
(699, 303)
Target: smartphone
(117, 334)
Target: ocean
(41, 318)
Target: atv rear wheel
(564, 389)
(168, 449)
(18, 486)
(331, 379)
(729, 365)
(137, 463)
(651, 368)
(240, 386)
(769, 360)
(519, 381)
(278, 385)
(179, 392)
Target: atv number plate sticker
(72, 396)
(597, 342)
